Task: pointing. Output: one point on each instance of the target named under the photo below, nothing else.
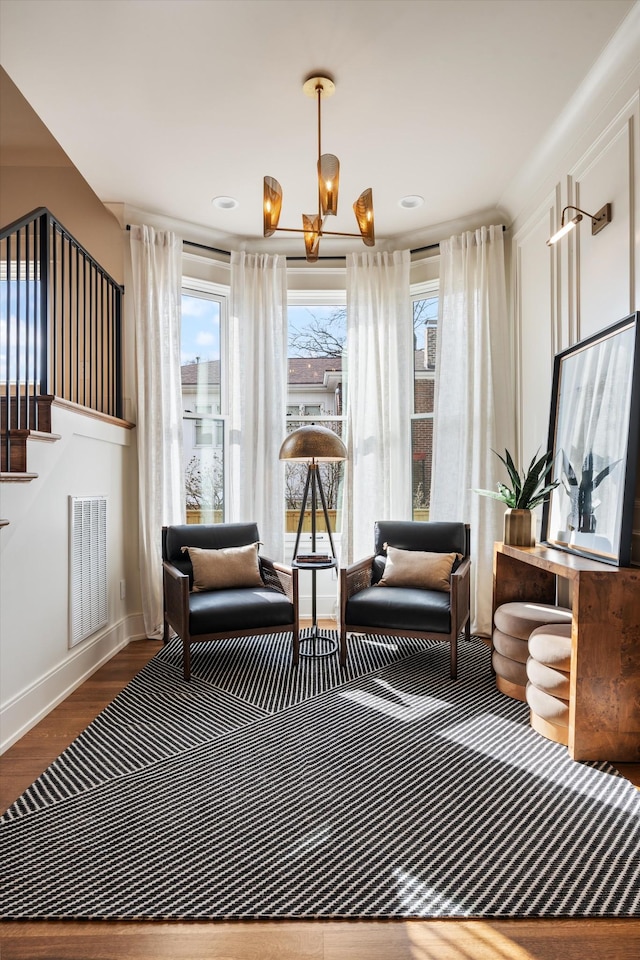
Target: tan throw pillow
(416, 568)
(225, 568)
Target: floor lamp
(314, 445)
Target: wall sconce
(598, 221)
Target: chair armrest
(282, 577)
(176, 597)
(355, 577)
(461, 592)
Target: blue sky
(201, 325)
(200, 329)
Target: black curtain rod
(432, 246)
(202, 246)
(227, 253)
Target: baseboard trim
(27, 708)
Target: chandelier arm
(336, 233)
(291, 230)
(321, 233)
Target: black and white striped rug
(396, 793)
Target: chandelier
(313, 224)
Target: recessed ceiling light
(225, 203)
(411, 201)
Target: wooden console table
(604, 706)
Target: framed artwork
(593, 434)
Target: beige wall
(35, 172)
(71, 201)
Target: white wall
(567, 292)
(37, 667)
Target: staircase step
(39, 412)
(17, 477)
(17, 447)
(42, 435)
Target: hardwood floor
(301, 940)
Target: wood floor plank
(483, 940)
(175, 941)
(324, 940)
(303, 940)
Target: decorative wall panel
(536, 317)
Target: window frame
(425, 290)
(218, 293)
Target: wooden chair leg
(453, 660)
(186, 659)
(296, 645)
(343, 647)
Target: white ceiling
(164, 104)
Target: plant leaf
(604, 473)
(538, 469)
(514, 476)
(569, 471)
(507, 495)
(492, 494)
(543, 494)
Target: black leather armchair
(230, 612)
(366, 607)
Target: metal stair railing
(60, 325)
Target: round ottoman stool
(513, 625)
(549, 677)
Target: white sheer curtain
(258, 396)
(156, 263)
(474, 398)
(379, 397)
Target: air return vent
(88, 541)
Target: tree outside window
(317, 337)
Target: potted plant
(527, 491)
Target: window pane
(202, 431)
(317, 337)
(425, 331)
(421, 461)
